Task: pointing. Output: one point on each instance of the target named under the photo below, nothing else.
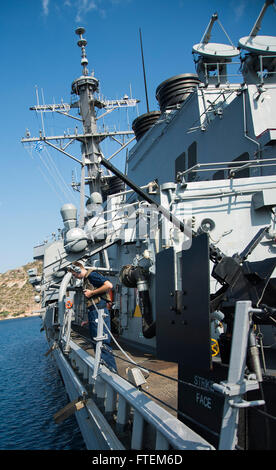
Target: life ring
(69, 304)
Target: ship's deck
(161, 389)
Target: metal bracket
(234, 389)
(100, 338)
(236, 385)
(245, 404)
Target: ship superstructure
(187, 238)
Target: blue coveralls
(97, 280)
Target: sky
(39, 61)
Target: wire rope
(40, 168)
(70, 193)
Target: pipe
(253, 357)
(245, 130)
(148, 325)
(135, 276)
(167, 214)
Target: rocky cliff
(16, 293)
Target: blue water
(31, 392)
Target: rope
(257, 410)
(180, 413)
(131, 361)
(197, 387)
(121, 349)
(116, 342)
(150, 394)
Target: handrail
(234, 165)
(169, 429)
(263, 72)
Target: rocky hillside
(16, 293)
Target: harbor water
(31, 392)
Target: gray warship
(187, 236)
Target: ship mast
(85, 88)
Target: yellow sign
(214, 347)
(137, 311)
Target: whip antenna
(145, 81)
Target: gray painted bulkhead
(222, 140)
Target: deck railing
(119, 401)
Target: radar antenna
(259, 64)
(213, 57)
(259, 44)
(257, 25)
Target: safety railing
(133, 416)
(231, 167)
(264, 73)
(220, 74)
(266, 68)
(124, 402)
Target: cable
(44, 175)
(69, 192)
(180, 413)
(267, 415)
(229, 39)
(117, 344)
(131, 361)
(183, 414)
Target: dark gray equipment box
(183, 336)
(182, 317)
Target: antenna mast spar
(85, 87)
(144, 72)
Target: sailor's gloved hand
(88, 293)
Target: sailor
(96, 287)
